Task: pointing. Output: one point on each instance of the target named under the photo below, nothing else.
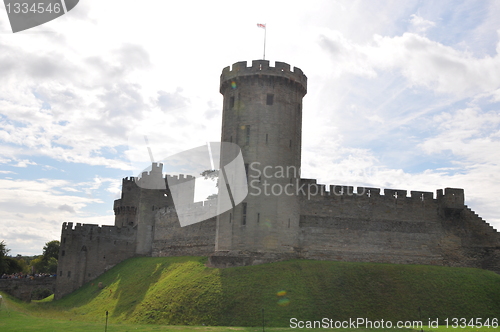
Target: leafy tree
(8, 265)
(42, 265)
(47, 262)
(51, 249)
(4, 265)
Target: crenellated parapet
(152, 179)
(261, 68)
(194, 211)
(68, 228)
(124, 210)
(450, 197)
(178, 179)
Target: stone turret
(262, 113)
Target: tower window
(290, 144)
(267, 136)
(258, 217)
(270, 99)
(69, 274)
(231, 102)
(63, 253)
(246, 170)
(248, 135)
(244, 214)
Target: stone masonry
(262, 114)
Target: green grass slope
(182, 290)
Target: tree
(4, 264)
(47, 262)
(42, 265)
(8, 265)
(51, 249)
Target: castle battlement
(450, 197)
(176, 179)
(152, 179)
(83, 229)
(118, 209)
(261, 68)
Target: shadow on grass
(133, 291)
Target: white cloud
(421, 61)
(419, 24)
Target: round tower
(262, 114)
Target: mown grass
(183, 291)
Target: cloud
(421, 61)
(67, 208)
(171, 101)
(24, 163)
(469, 133)
(419, 24)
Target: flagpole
(265, 32)
(263, 26)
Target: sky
(401, 94)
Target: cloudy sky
(401, 94)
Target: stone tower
(262, 114)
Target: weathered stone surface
(262, 113)
(23, 288)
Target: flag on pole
(260, 25)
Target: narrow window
(288, 222)
(248, 135)
(69, 274)
(64, 240)
(244, 214)
(246, 170)
(60, 273)
(63, 253)
(267, 136)
(258, 217)
(290, 144)
(270, 99)
(231, 102)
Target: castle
(283, 216)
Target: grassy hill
(182, 290)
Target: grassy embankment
(183, 291)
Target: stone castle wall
(341, 224)
(170, 239)
(336, 223)
(23, 289)
(89, 250)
